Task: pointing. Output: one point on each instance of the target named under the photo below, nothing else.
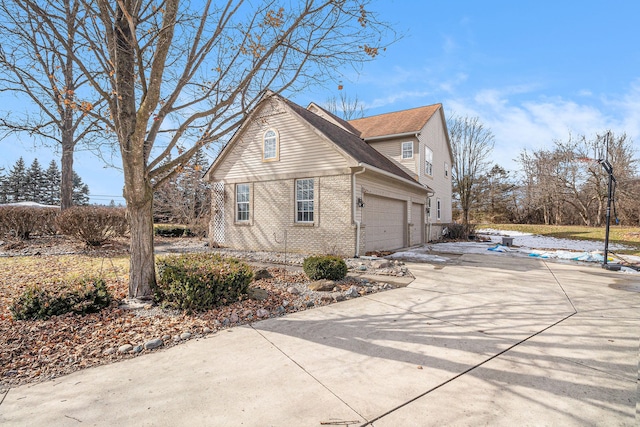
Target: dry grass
(629, 236)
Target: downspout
(353, 209)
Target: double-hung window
(304, 200)
(438, 210)
(407, 150)
(270, 145)
(242, 202)
(428, 161)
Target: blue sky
(532, 71)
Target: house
(303, 180)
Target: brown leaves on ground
(32, 351)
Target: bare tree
(39, 70)
(181, 76)
(471, 144)
(346, 107)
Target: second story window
(446, 170)
(428, 161)
(407, 150)
(270, 145)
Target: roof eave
(393, 136)
(412, 183)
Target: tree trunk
(66, 178)
(142, 272)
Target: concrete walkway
(486, 340)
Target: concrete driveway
(483, 340)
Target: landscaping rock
(258, 294)
(262, 274)
(234, 317)
(382, 263)
(166, 338)
(154, 343)
(322, 285)
(109, 351)
(262, 313)
(207, 330)
(293, 290)
(137, 349)
(185, 336)
(352, 292)
(125, 348)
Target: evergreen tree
(34, 187)
(51, 188)
(80, 191)
(16, 182)
(3, 187)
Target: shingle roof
(398, 122)
(341, 121)
(349, 143)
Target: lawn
(629, 236)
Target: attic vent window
(407, 150)
(270, 150)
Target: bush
(167, 230)
(93, 225)
(81, 296)
(24, 221)
(325, 267)
(198, 282)
(457, 231)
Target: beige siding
(393, 150)
(300, 149)
(434, 136)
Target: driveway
(482, 340)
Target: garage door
(416, 230)
(385, 223)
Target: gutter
(395, 135)
(412, 183)
(353, 209)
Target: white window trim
(276, 154)
(428, 161)
(438, 209)
(247, 203)
(310, 200)
(402, 150)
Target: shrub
(168, 230)
(24, 221)
(457, 231)
(198, 282)
(325, 267)
(81, 296)
(93, 225)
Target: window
(270, 145)
(429, 207)
(446, 169)
(407, 150)
(304, 200)
(242, 202)
(438, 212)
(428, 161)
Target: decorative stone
(362, 267)
(322, 285)
(285, 303)
(281, 310)
(109, 351)
(258, 294)
(207, 330)
(262, 313)
(383, 263)
(226, 321)
(176, 338)
(352, 292)
(263, 273)
(125, 348)
(166, 337)
(154, 343)
(137, 349)
(293, 290)
(185, 336)
(234, 317)
(310, 304)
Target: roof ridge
(398, 111)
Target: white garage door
(417, 224)
(385, 221)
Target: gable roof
(398, 122)
(349, 143)
(340, 121)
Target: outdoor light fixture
(360, 202)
